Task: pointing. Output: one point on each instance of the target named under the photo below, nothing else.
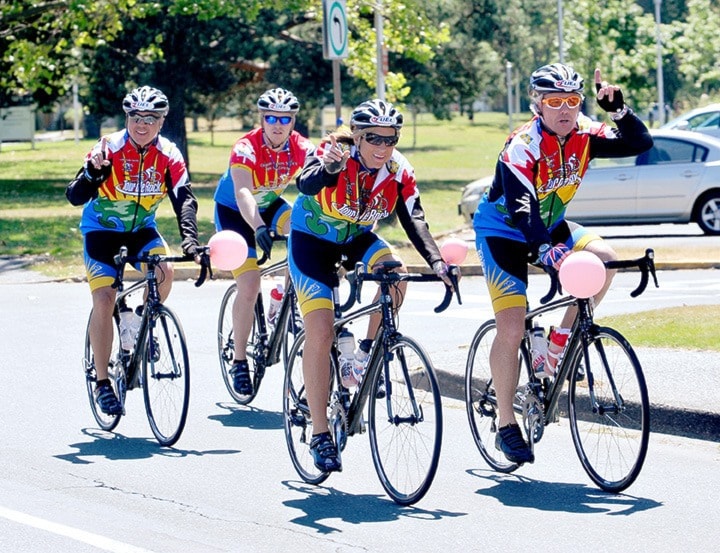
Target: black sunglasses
(272, 119)
(377, 140)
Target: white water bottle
(538, 351)
(276, 296)
(127, 335)
(346, 357)
(361, 359)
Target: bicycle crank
(533, 418)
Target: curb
(664, 419)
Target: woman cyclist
(521, 218)
(353, 180)
(248, 200)
(122, 182)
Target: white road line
(89, 538)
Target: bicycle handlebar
(275, 238)
(153, 260)
(384, 273)
(646, 264)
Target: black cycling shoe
(510, 441)
(107, 401)
(242, 382)
(325, 453)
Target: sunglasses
(272, 119)
(556, 102)
(377, 140)
(147, 119)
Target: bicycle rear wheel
(610, 433)
(296, 417)
(480, 401)
(406, 425)
(115, 372)
(166, 376)
(226, 347)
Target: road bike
(267, 342)
(158, 360)
(405, 422)
(607, 398)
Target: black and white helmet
(376, 113)
(146, 98)
(556, 77)
(278, 99)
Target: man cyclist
(122, 182)
(248, 201)
(351, 182)
(521, 218)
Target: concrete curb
(665, 419)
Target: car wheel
(707, 213)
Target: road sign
(335, 30)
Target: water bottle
(127, 335)
(538, 351)
(556, 346)
(346, 357)
(361, 359)
(276, 296)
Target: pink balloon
(582, 274)
(228, 250)
(454, 251)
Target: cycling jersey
(340, 207)
(127, 195)
(272, 171)
(537, 175)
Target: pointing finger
(598, 80)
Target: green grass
(686, 327)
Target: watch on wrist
(619, 114)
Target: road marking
(101, 542)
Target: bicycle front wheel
(166, 376)
(115, 372)
(296, 417)
(480, 400)
(406, 425)
(609, 410)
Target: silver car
(705, 120)
(677, 181)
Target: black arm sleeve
(417, 229)
(83, 187)
(314, 178)
(633, 138)
(185, 206)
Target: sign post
(335, 45)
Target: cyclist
(521, 218)
(248, 200)
(354, 179)
(121, 184)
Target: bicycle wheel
(406, 425)
(611, 431)
(165, 376)
(115, 372)
(293, 324)
(480, 401)
(296, 417)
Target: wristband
(620, 113)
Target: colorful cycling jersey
(271, 171)
(340, 207)
(138, 181)
(537, 175)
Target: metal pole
(337, 92)
(561, 47)
(508, 70)
(660, 84)
(380, 86)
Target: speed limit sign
(335, 30)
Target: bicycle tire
(294, 324)
(480, 401)
(165, 376)
(297, 422)
(406, 425)
(115, 372)
(612, 441)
